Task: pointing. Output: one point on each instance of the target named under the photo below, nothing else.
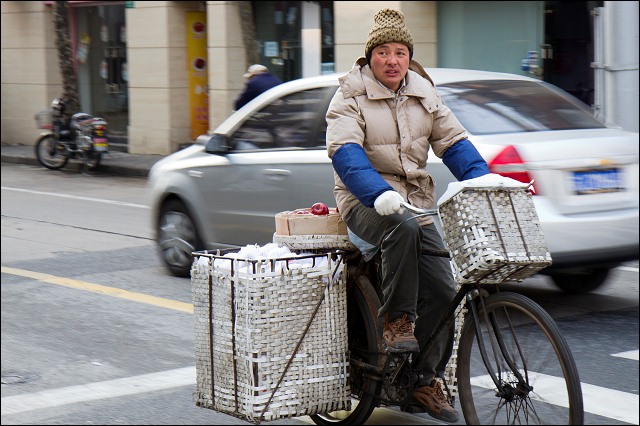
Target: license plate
(597, 181)
(100, 144)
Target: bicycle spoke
(536, 375)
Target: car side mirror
(215, 144)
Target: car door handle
(276, 172)
(195, 173)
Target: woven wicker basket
(314, 242)
(270, 343)
(494, 235)
(43, 120)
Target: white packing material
(491, 180)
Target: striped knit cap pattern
(389, 27)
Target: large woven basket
(315, 242)
(43, 120)
(271, 335)
(494, 235)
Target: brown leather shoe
(432, 401)
(398, 335)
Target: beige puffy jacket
(396, 131)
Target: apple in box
(319, 219)
(319, 209)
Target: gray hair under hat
(389, 27)
(255, 69)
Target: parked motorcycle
(82, 137)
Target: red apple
(320, 209)
(302, 211)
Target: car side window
(293, 121)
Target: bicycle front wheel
(537, 379)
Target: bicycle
(511, 364)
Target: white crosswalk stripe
(598, 400)
(98, 390)
(628, 354)
(610, 403)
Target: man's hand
(388, 203)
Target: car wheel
(177, 238)
(582, 281)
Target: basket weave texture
(314, 242)
(43, 120)
(254, 359)
(494, 235)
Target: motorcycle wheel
(93, 159)
(50, 153)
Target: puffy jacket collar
(360, 81)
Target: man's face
(390, 62)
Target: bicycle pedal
(396, 351)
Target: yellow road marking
(101, 289)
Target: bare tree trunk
(249, 38)
(65, 56)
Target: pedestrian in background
(259, 80)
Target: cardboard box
(291, 223)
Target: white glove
(388, 203)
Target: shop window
(102, 65)
(278, 30)
(326, 24)
(279, 34)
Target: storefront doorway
(281, 46)
(569, 47)
(101, 54)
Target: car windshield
(506, 106)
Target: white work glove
(388, 203)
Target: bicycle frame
(470, 292)
(466, 290)
(499, 337)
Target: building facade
(161, 72)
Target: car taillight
(508, 163)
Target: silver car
(270, 156)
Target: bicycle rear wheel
(520, 336)
(365, 383)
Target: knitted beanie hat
(389, 27)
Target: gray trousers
(418, 285)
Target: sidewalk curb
(114, 162)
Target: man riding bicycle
(384, 118)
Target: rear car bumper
(592, 259)
(599, 239)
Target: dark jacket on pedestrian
(256, 85)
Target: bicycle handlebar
(418, 210)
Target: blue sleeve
(464, 161)
(355, 170)
(247, 95)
